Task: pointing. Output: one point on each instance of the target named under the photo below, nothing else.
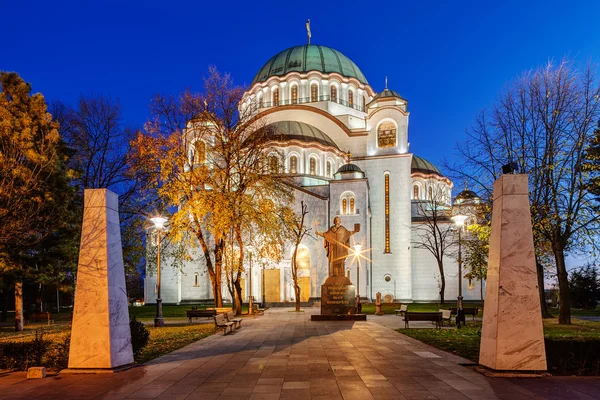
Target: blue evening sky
(449, 59)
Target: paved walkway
(283, 355)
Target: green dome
(289, 130)
(422, 165)
(309, 58)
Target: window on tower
(329, 168)
(333, 93)
(387, 212)
(295, 94)
(260, 102)
(416, 192)
(348, 203)
(195, 279)
(350, 98)
(314, 92)
(386, 135)
(276, 97)
(199, 152)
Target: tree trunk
(18, 306)
(297, 291)
(543, 304)
(238, 296)
(3, 304)
(442, 283)
(564, 311)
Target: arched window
(293, 164)
(260, 102)
(276, 97)
(430, 193)
(333, 94)
(199, 152)
(314, 92)
(416, 192)
(386, 135)
(347, 203)
(329, 169)
(195, 279)
(273, 164)
(387, 212)
(295, 94)
(313, 166)
(350, 98)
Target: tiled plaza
(283, 355)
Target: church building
(346, 149)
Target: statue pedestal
(338, 301)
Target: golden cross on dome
(308, 30)
(348, 155)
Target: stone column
(100, 335)
(512, 337)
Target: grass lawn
(162, 340)
(172, 337)
(465, 341)
(148, 312)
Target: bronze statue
(337, 244)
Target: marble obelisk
(512, 337)
(100, 335)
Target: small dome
(349, 171)
(349, 168)
(309, 58)
(466, 196)
(423, 166)
(387, 93)
(289, 130)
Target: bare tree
(433, 228)
(543, 122)
(297, 231)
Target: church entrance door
(272, 286)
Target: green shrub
(573, 357)
(139, 335)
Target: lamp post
(262, 287)
(250, 305)
(159, 224)
(357, 248)
(459, 220)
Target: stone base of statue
(338, 301)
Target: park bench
(446, 316)
(258, 310)
(220, 310)
(403, 308)
(472, 311)
(222, 323)
(435, 317)
(231, 318)
(200, 314)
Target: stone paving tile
(284, 355)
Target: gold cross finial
(308, 30)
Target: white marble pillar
(100, 335)
(512, 338)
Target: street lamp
(357, 248)
(250, 305)
(159, 224)
(459, 220)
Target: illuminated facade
(346, 148)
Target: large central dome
(309, 58)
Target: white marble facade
(329, 110)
